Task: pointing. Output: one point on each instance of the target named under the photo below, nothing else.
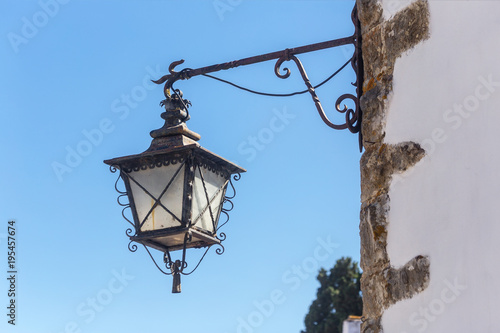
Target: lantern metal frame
(174, 144)
(174, 267)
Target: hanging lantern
(176, 190)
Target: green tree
(338, 296)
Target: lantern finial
(174, 132)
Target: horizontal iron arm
(284, 54)
(353, 116)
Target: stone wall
(383, 42)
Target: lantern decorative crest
(176, 191)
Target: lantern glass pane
(155, 181)
(215, 185)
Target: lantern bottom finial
(176, 284)
(176, 274)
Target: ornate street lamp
(176, 191)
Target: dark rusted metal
(353, 116)
(185, 74)
(175, 145)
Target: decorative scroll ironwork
(353, 116)
(228, 200)
(123, 194)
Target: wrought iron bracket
(353, 116)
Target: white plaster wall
(448, 205)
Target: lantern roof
(157, 156)
(174, 138)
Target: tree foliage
(338, 296)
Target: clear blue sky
(77, 67)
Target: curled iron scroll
(126, 205)
(279, 62)
(351, 115)
(172, 77)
